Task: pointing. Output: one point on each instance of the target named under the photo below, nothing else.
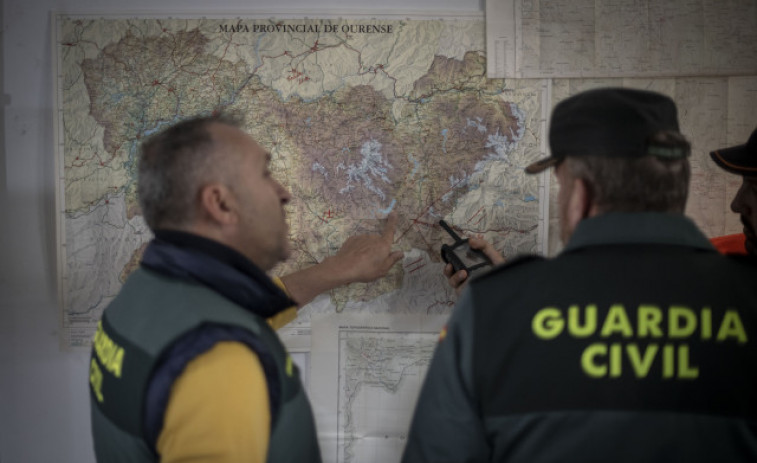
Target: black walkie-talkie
(461, 256)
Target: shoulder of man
(743, 259)
(518, 262)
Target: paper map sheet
(621, 38)
(366, 374)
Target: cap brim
(735, 160)
(541, 165)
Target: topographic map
(380, 374)
(621, 38)
(376, 365)
(362, 117)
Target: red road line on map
(474, 215)
(416, 268)
(442, 303)
(414, 262)
(416, 221)
(220, 61)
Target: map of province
(362, 117)
(380, 376)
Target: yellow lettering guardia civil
(600, 360)
(589, 363)
(641, 364)
(682, 322)
(617, 322)
(649, 319)
(732, 327)
(547, 323)
(289, 368)
(96, 380)
(589, 323)
(110, 354)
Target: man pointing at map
(636, 343)
(184, 364)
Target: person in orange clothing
(185, 364)
(730, 244)
(741, 160)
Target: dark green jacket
(149, 314)
(637, 343)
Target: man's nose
(284, 194)
(739, 205)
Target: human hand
(362, 258)
(368, 257)
(459, 279)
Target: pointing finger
(389, 227)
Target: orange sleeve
(218, 411)
(730, 244)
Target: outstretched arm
(362, 258)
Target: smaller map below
(376, 364)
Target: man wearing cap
(631, 345)
(741, 160)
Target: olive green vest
(149, 314)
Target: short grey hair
(650, 183)
(173, 165)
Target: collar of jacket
(200, 260)
(638, 228)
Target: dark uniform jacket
(185, 299)
(637, 343)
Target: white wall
(44, 411)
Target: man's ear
(580, 202)
(218, 203)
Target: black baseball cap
(741, 159)
(612, 122)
